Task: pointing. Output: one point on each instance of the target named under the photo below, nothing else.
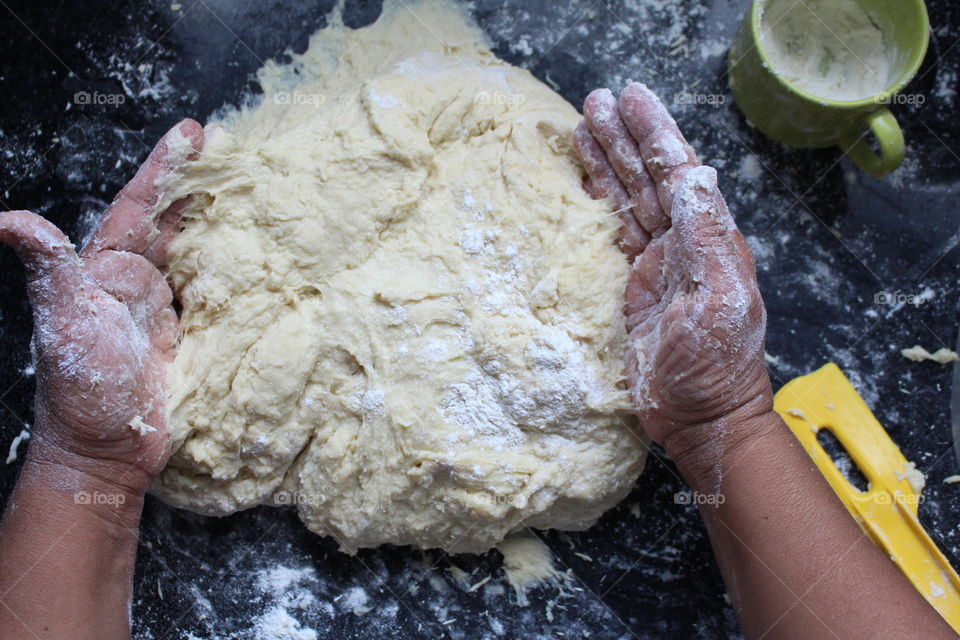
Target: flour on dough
(400, 312)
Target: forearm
(795, 563)
(68, 542)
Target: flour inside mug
(833, 49)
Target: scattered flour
(278, 580)
(936, 590)
(947, 84)
(278, 624)
(356, 600)
(287, 590)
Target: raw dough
(527, 562)
(401, 313)
(913, 476)
(15, 446)
(940, 356)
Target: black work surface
(828, 241)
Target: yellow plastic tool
(887, 511)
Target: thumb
(53, 269)
(706, 241)
(714, 255)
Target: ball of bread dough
(401, 314)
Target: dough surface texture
(400, 311)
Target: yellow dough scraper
(887, 510)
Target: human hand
(695, 318)
(104, 327)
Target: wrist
(49, 458)
(69, 489)
(704, 452)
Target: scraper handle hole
(842, 459)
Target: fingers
(53, 270)
(603, 180)
(603, 120)
(665, 151)
(604, 183)
(128, 224)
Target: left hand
(104, 327)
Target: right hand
(104, 327)
(694, 314)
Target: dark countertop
(828, 240)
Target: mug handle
(885, 129)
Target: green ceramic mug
(819, 73)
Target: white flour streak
(287, 589)
(277, 624)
